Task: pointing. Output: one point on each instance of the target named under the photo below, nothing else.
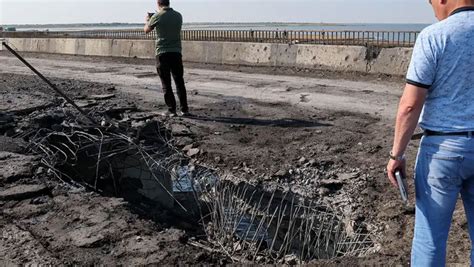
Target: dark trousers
(168, 64)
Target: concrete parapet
(339, 58)
(195, 52)
(100, 47)
(144, 49)
(284, 55)
(80, 46)
(393, 61)
(256, 54)
(121, 48)
(231, 53)
(133, 48)
(65, 46)
(212, 52)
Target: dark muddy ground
(335, 157)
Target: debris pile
(122, 152)
(141, 164)
(114, 161)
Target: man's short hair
(164, 2)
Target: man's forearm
(408, 115)
(146, 28)
(407, 120)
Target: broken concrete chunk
(138, 124)
(142, 116)
(291, 259)
(86, 103)
(323, 191)
(102, 97)
(281, 173)
(18, 103)
(29, 250)
(348, 176)
(119, 110)
(193, 152)
(188, 147)
(302, 160)
(22, 192)
(184, 142)
(14, 166)
(13, 145)
(23, 110)
(180, 130)
(86, 237)
(156, 183)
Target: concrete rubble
(44, 220)
(332, 157)
(15, 166)
(21, 192)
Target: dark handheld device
(402, 185)
(150, 14)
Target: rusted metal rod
(54, 87)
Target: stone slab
(21, 192)
(14, 166)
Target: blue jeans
(444, 169)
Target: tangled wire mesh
(245, 222)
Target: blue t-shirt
(443, 63)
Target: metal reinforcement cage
(250, 223)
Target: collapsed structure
(133, 156)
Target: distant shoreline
(71, 25)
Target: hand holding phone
(148, 16)
(402, 185)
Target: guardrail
(361, 38)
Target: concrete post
(2, 40)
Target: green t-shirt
(167, 24)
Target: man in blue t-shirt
(440, 88)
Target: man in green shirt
(167, 24)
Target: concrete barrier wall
(393, 61)
(341, 58)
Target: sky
(133, 11)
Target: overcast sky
(331, 11)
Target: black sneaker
(169, 114)
(184, 114)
